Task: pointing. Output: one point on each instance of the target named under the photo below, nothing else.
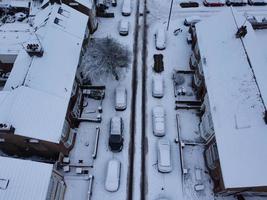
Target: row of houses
(230, 79)
(40, 97)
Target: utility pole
(169, 15)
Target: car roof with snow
(158, 110)
(236, 108)
(115, 125)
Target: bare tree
(105, 58)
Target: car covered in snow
(257, 2)
(192, 20)
(112, 181)
(157, 86)
(120, 98)
(214, 3)
(124, 27)
(126, 8)
(158, 120)
(236, 2)
(164, 155)
(116, 134)
(160, 38)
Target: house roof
(236, 108)
(12, 36)
(48, 78)
(27, 180)
(33, 113)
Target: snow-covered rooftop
(15, 3)
(26, 179)
(12, 36)
(49, 78)
(236, 109)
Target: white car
(164, 155)
(158, 120)
(113, 175)
(191, 21)
(123, 27)
(126, 8)
(157, 86)
(120, 98)
(160, 38)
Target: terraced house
(40, 94)
(230, 79)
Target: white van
(126, 8)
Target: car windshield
(115, 139)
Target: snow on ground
(176, 57)
(77, 187)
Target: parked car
(158, 63)
(157, 86)
(189, 4)
(120, 98)
(116, 134)
(113, 175)
(236, 2)
(123, 27)
(164, 155)
(158, 120)
(191, 21)
(257, 2)
(126, 8)
(213, 3)
(114, 3)
(160, 38)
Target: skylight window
(3, 183)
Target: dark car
(189, 4)
(116, 134)
(158, 63)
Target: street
(140, 178)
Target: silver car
(157, 86)
(123, 27)
(120, 98)
(164, 155)
(158, 120)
